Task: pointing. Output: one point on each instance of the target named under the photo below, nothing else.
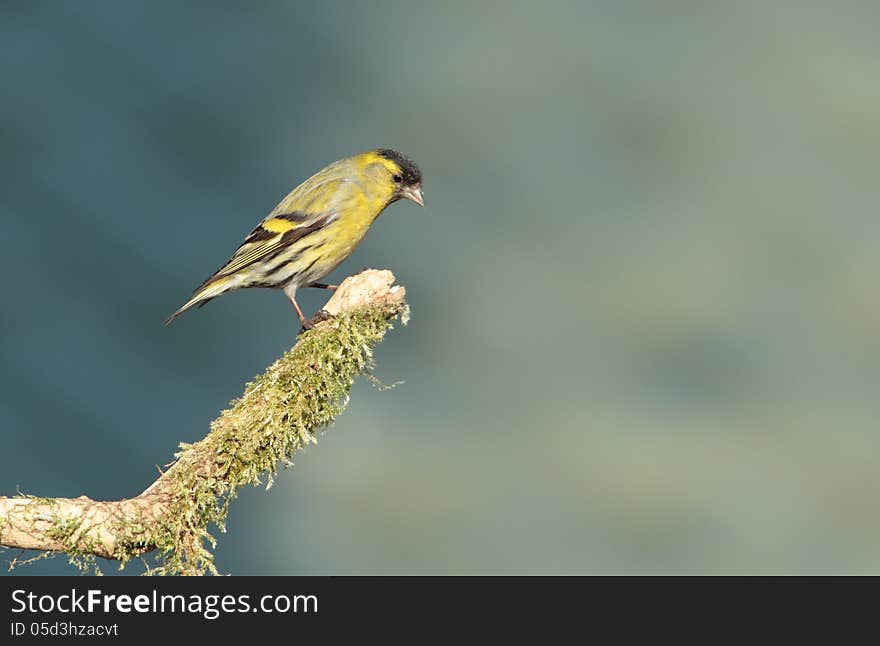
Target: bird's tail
(211, 289)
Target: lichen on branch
(278, 414)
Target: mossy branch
(279, 413)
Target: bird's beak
(413, 193)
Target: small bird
(317, 226)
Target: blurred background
(645, 330)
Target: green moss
(278, 415)
(79, 546)
(62, 528)
(51, 502)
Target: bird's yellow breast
(352, 192)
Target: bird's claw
(321, 315)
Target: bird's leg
(332, 288)
(307, 324)
(302, 319)
(290, 292)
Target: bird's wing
(273, 233)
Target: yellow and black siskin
(317, 226)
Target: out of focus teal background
(645, 330)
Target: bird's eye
(397, 179)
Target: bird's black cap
(411, 172)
